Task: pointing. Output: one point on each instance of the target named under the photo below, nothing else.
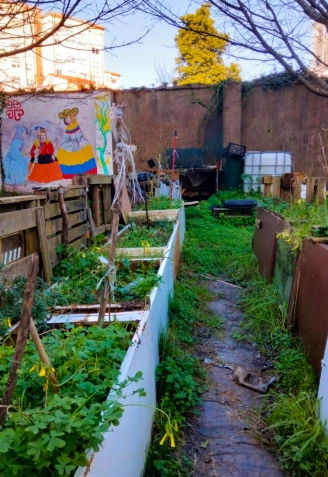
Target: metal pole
(174, 159)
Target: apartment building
(320, 49)
(71, 59)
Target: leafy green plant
(78, 278)
(47, 433)
(161, 202)
(11, 302)
(157, 235)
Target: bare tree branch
(278, 29)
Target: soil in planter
(47, 434)
(157, 235)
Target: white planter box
(124, 448)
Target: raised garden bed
(48, 433)
(151, 315)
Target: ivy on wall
(272, 82)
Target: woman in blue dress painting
(15, 163)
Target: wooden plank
(126, 204)
(154, 252)
(100, 230)
(76, 191)
(73, 234)
(99, 179)
(18, 268)
(53, 210)
(310, 189)
(276, 186)
(55, 225)
(169, 214)
(13, 222)
(75, 244)
(319, 239)
(91, 223)
(321, 194)
(297, 188)
(267, 180)
(107, 203)
(95, 205)
(44, 244)
(31, 241)
(20, 198)
(267, 190)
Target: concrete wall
(152, 116)
(289, 119)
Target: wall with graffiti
(48, 139)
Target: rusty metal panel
(267, 227)
(312, 301)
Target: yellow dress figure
(75, 154)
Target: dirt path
(222, 442)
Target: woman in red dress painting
(43, 165)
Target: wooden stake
(276, 186)
(95, 205)
(310, 189)
(267, 190)
(63, 209)
(116, 212)
(39, 214)
(321, 189)
(297, 189)
(22, 336)
(43, 355)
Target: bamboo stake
(22, 336)
(43, 355)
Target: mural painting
(46, 140)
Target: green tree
(200, 58)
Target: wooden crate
(78, 225)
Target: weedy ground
(223, 247)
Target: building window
(58, 72)
(95, 51)
(114, 81)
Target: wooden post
(95, 205)
(310, 189)
(43, 355)
(276, 186)
(39, 213)
(64, 234)
(107, 202)
(297, 189)
(91, 223)
(321, 190)
(22, 336)
(267, 181)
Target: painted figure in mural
(15, 163)
(75, 153)
(43, 165)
